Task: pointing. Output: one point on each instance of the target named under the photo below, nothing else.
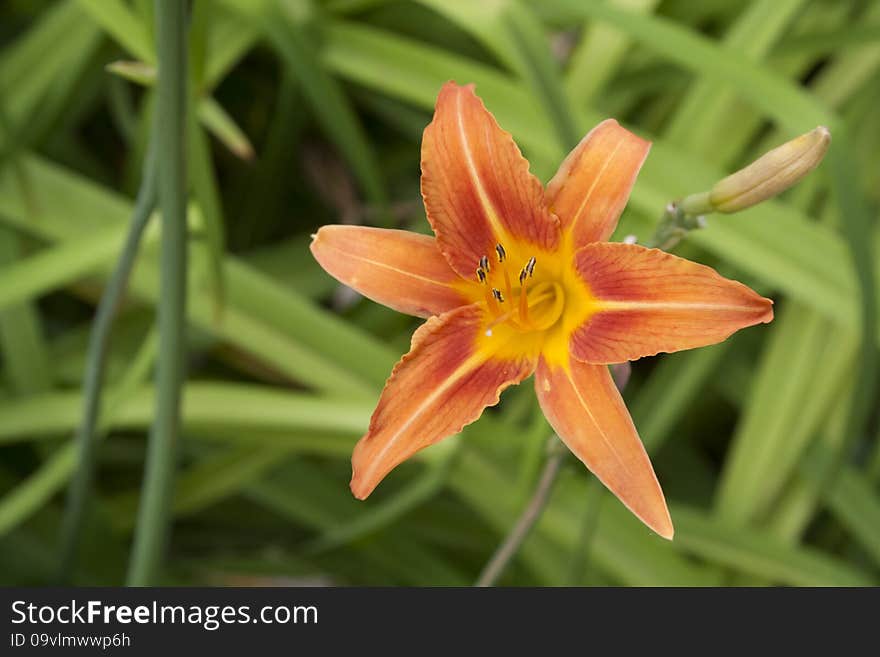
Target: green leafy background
(304, 114)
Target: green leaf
(851, 497)
(805, 360)
(263, 318)
(123, 25)
(697, 119)
(600, 51)
(329, 105)
(224, 128)
(207, 406)
(58, 266)
(756, 554)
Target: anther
(481, 274)
(501, 252)
(497, 294)
(484, 264)
(523, 274)
(530, 266)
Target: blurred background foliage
(307, 113)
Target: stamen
(481, 274)
(484, 263)
(501, 252)
(497, 294)
(523, 302)
(492, 303)
(522, 276)
(507, 289)
(530, 266)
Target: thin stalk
(530, 515)
(80, 487)
(154, 514)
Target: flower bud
(770, 174)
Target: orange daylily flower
(519, 280)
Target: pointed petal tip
(654, 513)
(650, 302)
(766, 305)
(592, 185)
(359, 489)
(315, 237)
(768, 313)
(363, 481)
(399, 269)
(451, 87)
(668, 533)
(662, 526)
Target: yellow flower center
(515, 298)
(532, 303)
(530, 308)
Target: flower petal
(397, 268)
(476, 185)
(591, 187)
(442, 384)
(648, 301)
(586, 410)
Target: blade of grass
(851, 496)
(857, 227)
(777, 427)
(57, 266)
(540, 70)
(304, 496)
(510, 30)
(671, 390)
(115, 18)
(329, 105)
(224, 128)
(58, 42)
(204, 188)
(26, 361)
(208, 407)
(772, 94)
(207, 482)
(599, 53)
(86, 438)
(752, 35)
(756, 554)
(389, 510)
(800, 502)
(153, 515)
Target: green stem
(675, 223)
(154, 513)
(527, 519)
(99, 342)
